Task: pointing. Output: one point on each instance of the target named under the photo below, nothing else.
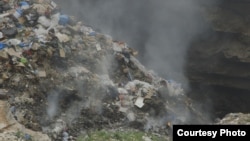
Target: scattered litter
(64, 20)
(2, 45)
(62, 37)
(12, 52)
(3, 94)
(139, 102)
(50, 63)
(62, 53)
(41, 73)
(98, 47)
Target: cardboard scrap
(12, 52)
(41, 73)
(62, 53)
(62, 37)
(139, 102)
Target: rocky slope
(218, 62)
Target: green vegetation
(119, 136)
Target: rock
(235, 118)
(217, 61)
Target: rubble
(235, 118)
(64, 75)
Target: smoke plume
(161, 30)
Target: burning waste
(59, 78)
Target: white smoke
(52, 108)
(161, 29)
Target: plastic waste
(31, 18)
(86, 30)
(3, 95)
(92, 33)
(13, 42)
(1, 35)
(23, 44)
(2, 45)
(64, 20)
(65, 136)
(18, 13)
(24, 5)
(53, 4)
(4, 6)
(23, 60)
(27, 137)
(44, 21)
(4, 15)
(10, 32)
(130, 75)
(54, 20)
(139, 102)
(62, 37)
(13, 109)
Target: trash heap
(61, 77)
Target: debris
(62, 53)
(92, 33)
(2, 45)
(65, 136)
(13, 110)
(10, 32)
(4, 55)
(90, 81)
(41, 73)
(145, 138)
(3, 94)
(24, 5)
(13, 42)
(98, 47)
(53, 4)
(1, 36)
(131, 116)
(64, 20)
(44, 21)
(60, 125)
(139, 102)
(23, 60)
(12, 52)
(62, 37)
(27, 137)
(18, 13)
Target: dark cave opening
(219, 100)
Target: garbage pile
(61, 77)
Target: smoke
(53, 98)
(161, 30)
